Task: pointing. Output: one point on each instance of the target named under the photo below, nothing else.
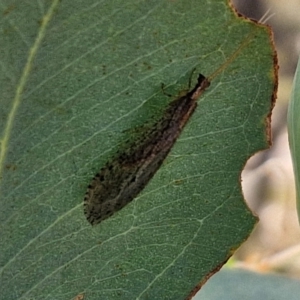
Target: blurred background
(268, 181)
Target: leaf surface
(77, 78)
(241, 284)
(293, 122)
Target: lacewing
(126, 175)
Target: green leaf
(77, 78)
(293, 122)
(241, 284)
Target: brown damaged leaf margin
(275, 88)
(268, 135)
(206, 277)
(275, 71)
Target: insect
(126, 175)
(79, 297)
